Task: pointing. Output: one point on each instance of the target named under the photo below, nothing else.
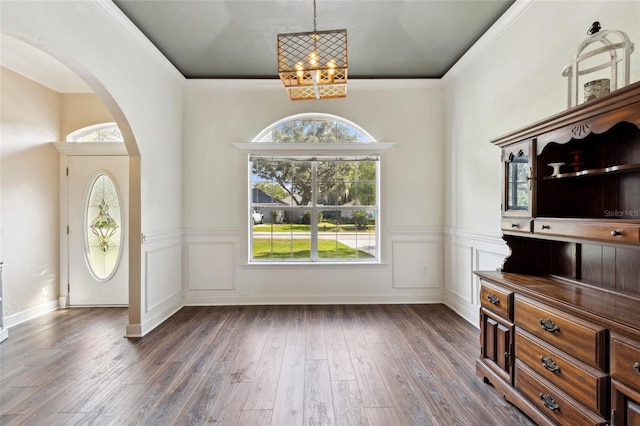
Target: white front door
(98, 224)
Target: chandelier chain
(314, 15)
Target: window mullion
(313, 220)
(298, 150)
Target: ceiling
(237, 38)
(386, 38)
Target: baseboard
(154, 318)
(312, 300)
(141, 330)
(463, 308)
(133, 330)
(26, 315)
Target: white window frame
(344, 150)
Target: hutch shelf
(560, 321)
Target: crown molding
(394, 83)
(124, 23)
(511, 16)
(353, 84)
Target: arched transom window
(105, 132)
(313, 192)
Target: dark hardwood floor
(250, 365)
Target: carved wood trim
(557, 128)
(581, 130)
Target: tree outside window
(314, 207)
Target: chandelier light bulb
(332, 68)
(313, 59)
(300, 71)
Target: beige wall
(442, 173)
(407, 113)
(510, 79)
(516, 80)
(31, 116)
(81, 110)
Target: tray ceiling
(386, 39)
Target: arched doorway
(131, 154)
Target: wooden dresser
(560, 322)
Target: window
(518, 183)
(106, 132)
(314, 207)
(102, 229)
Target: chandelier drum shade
(313, 65)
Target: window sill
(294, 265)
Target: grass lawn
(322, 227)
(265, 248)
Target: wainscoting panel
(162, 270)
(465, 252)
(201, 257)
(217, 272)
(460, 264)
(416, 264)
(161, 280)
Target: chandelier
(313, 65)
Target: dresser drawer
(578, 338)
(512, 224)
(551, 401)
(585, 384)
(497, 299)
(593, 230)
(625, 361)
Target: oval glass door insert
(103, 227)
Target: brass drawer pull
(545, 227)
(548, 402)
(548, 325)
(615, 233)
(548, 363)
(637, 366)
(493, 299)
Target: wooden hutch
(560, 322)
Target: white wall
(143, 92)
(512, 78)
(30, 118)
(185, 173)
(218, 114)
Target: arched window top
(105, 132)
(314, 128)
